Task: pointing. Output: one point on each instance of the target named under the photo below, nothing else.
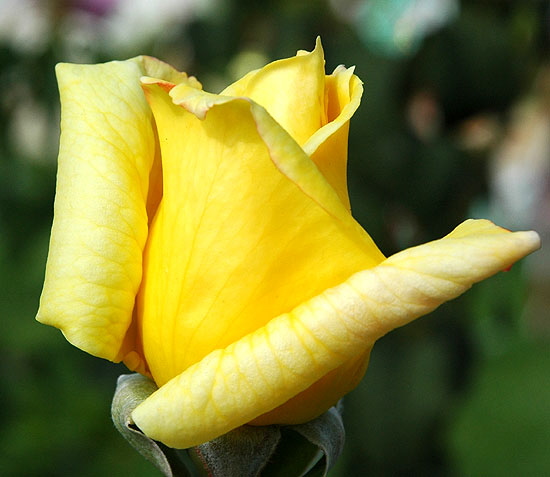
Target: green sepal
(131, 390)
(328, 434)
(309, 449)
(245, 451)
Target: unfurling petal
(328, 147)
(247, 229)
(292, 90)
(265, 368)
(106, 155)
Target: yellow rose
(206, 241)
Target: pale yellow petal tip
(186, 94)
(81, 331)
(83, 338)
(530, 240)
(519, 244)
(477, 247)
(46, 318)
(198, 102)
(155, 68)
(344, 70)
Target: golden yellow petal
(292, 90)
(328, 147)
(264, 369)
(106, 154)
(247, 229)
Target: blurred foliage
(463, 392)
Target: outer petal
(292, 90)
(232, 386)
(100, 226)
(247, 229)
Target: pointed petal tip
(531, 239)
(318, 49)
(516, 244)
(318, 42)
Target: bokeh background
(455, 123)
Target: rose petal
(100, 226)
(247, 229)
(328, 147)
(292, 90)
(232, 386)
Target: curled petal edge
(328, 146)
(264, 369)
(100, 221)
(104, 191)
(287, 156)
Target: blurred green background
(455, 123)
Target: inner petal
(292, 90)
(235, 242)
